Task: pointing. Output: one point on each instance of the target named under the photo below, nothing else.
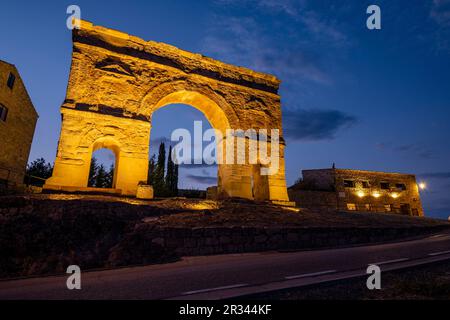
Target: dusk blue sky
(375, 100)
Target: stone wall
(40, 234)
(315, 200)
(16, 133)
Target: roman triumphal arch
(117, 81)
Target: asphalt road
(208, 276)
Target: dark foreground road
(214, 277)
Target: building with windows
(17, 123)
(357, 190)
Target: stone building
(17, 123)
(357, 190)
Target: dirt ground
(182, 212)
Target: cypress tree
(93, 172)
(110, 177)
(175, 180)
(158, 183)
(101, 180)
(151, 171)
(170, 174)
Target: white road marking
(438, 253)
(437, 236)
(389, 261)
(305, 275)
(215, 289)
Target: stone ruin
(117, 81)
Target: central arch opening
(193, 179)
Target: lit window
(3, 112)
(11, 80)
(400, 186)
(385, 185)
(365, 184)
(349, 183)
(388, 207)
(351, 206)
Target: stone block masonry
(358, 190)
(117, 81)
(17, 123)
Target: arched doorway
(234, 180)
(194, 177)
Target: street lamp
(422, 185)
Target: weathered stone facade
(17, 123)
(116, 83)
(358, 190)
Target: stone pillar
(277, 181)
(130, 172)
(234, 179)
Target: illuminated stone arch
(116, 83)
(214, 107)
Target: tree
(170, 174)
(110, 177)
(175, 180)
(151, 171)
(158, 183)
(37, 172)
(101, 180)
(39, 168)
(93, 172)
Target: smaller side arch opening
(103, 165)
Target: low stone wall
(207, 241)
(315, 200)
(39, 235)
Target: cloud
(203, 179)
(435, 175)
(315, 124)
(288, 7)
(415, 149)
(323, 29)
(243, 41)
(158, 140)
(440, 12)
